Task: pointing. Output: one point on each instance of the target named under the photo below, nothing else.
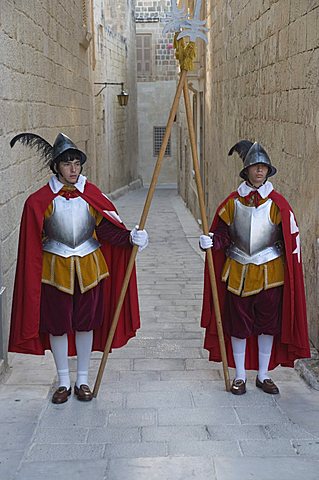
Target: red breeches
(254, 315)
(63, 313)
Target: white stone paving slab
(174, 432)
(15, 436)
(57, 452)
(197, 416)
(137, 417)
(170, 385)
(113, 435)
(74, 414)
(236, 432)
(307, 447)
(252, 416)
(259, 468)
(167, 468)
(289, 430)
(278, 447)
(9, 463)
(190, 375)
(135, 450)
(62, 435)
(159, 399)
(210, 448)
(159, 364)
(50, 470)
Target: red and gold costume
(246, 281)
(37, 269)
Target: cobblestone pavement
(162, 411)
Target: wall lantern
(122, 97)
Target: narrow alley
(162, 411)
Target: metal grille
(158, 134)
(146, 19)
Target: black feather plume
(35, 141)
(242, 147)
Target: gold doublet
(249, 279)
(59, 271)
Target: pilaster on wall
(3, 323)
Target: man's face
(69, 171)
(257, 174)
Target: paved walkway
(162, 412)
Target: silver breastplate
(70, 228)
(255, 239)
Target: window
(158, 135)
(144, 54)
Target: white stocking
(59, 347)
(239, 350)
(264, 352)
(83, 341)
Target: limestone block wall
(116, 126)
(262, 79)
(155, 101)
(45, 88)
(156, 89)
(149, 15)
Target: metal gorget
(255, 239)
(70, 228)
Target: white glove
(139, 238)
(206, 241)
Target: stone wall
(155, 101)
(262, 78)
(149, 15)
(45, 88)
(156, 90)
(116, 126)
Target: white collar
(244, 189)
(56, 185)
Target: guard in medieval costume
(256, 251)
(72, 258)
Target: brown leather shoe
(268, 386)
(238, 387)
(61, 395)
(83, 393)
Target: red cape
(293, 341)
(25, 317)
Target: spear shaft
(209, 256)
(142, 222)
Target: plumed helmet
(62, 144)
(50, 154)
(251, 154)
